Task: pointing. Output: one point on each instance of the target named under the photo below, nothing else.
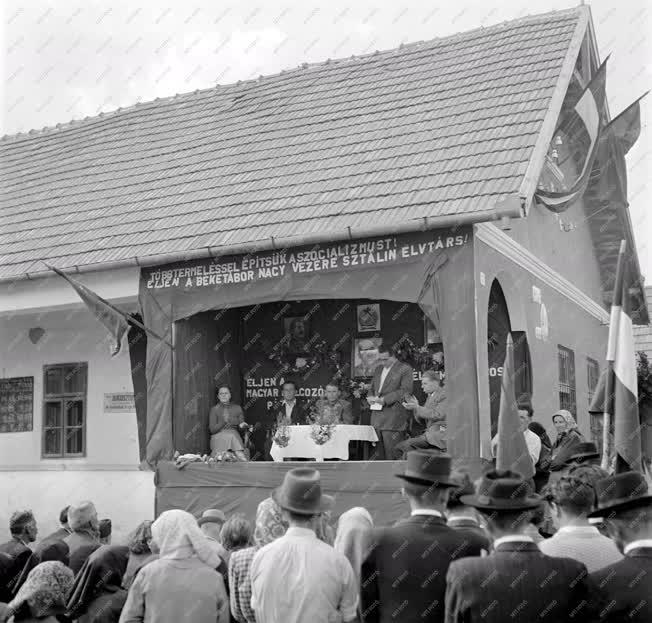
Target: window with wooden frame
(567, 396)
(64, 410)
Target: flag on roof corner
(581, 126)
(617, 392)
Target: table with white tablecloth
(337, 447)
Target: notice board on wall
(16, 404)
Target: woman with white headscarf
(183, 584)
(567, 439)
(352, 538)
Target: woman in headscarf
(97, 596)
(45, 551)
(567, 439)
(43, 595)
(183, 584)
(140, 552)
(352, 538)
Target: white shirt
(426, 511)
(383, 376)
(532, 441)
(513, 538)
(288, 407)
(299, 579)
(637, 544)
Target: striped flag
(512, 451)
(581, 126)
(617, 393)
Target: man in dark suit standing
(403, 578)
(626, 505)
(22, 526)
(516, 582)
(391, 383)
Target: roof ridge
(74, 123)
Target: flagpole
(616, 305)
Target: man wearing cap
(403, 578)
(624, 502)
(516, 582)
(22, 526)
(298, 578)
(85, 526)
(211, 523)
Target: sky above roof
(77, 60)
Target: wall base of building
(124, 495)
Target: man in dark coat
(625, 503)
(22, 526)
(516, 582)
(403, 578)
(392, 383)
(63, 532)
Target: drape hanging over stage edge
(433, 269)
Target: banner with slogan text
(269, 265)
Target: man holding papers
(392, 382)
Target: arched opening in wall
(498, 327)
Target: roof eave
(533, 171)
(509, 206)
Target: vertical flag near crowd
(617, 393)
(581, 127)
(512, 451)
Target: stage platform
(240, 487)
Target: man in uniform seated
(331, 409)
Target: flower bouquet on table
(281, 436)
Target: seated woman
(331, 409)
(226, 420)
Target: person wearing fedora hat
(516, 582)
(298, 578)
(405, 569)
(586, 452)
(625, 503)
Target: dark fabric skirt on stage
(240, 487)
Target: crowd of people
(466, 551)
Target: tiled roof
(436, 128)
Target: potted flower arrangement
(281, 436)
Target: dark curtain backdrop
(137, 339)
(440, 281)
(206, 356)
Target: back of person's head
(426, 496)
(20, 521)
(575, 496)
(139, 539)
(105, 530)
(588, 472)
(237, 533)
(63, 516)
(83, 516)
(466, 488)
(507, 522)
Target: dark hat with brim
(428, 468)
(621, 492)
(301, 493)
(503, 491)
(584, 451)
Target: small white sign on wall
(119, 403)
